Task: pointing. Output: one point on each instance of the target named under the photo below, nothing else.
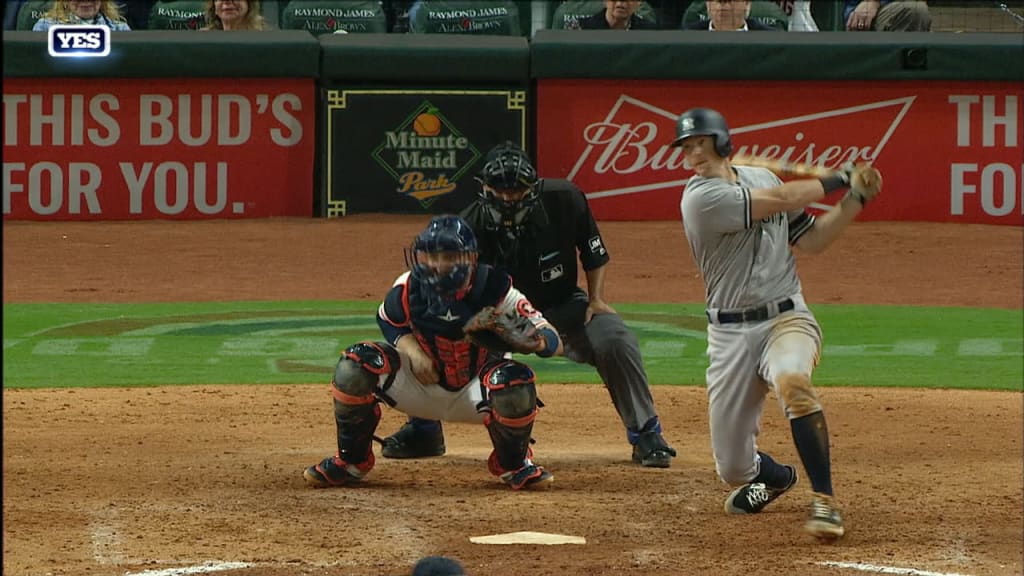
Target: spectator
(137, 13)
(11, 8)
(437, 566)
(234, 15)
(887, 15)
(618, 15)
(82, 12)
(800, 17)
(728, 15)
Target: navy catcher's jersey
(543, 263)
(406, 310)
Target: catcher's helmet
(704, 122)
(443, 255)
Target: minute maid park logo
(426, 155)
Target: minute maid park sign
(426, 154)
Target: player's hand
(863, 15)
(597, 306)
(423, 368)
(865, 183)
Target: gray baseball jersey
(746, 264)
(721, 232)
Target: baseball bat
(781, 167)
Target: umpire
(533, 229)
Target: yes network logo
(83, 41)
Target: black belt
(758, 314)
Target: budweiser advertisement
(135, 149)
(948, 151)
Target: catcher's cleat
(826, 522)
(652, 451)
(529, 477)
(414, 441)
(752, 498)
(333, 471)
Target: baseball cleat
(651, 451)
(752, 498)
(529, 477)
(826, 522)
(414, 442)
(334, 471)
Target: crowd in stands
(497, 17)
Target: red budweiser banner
(948, 151)
(102, 149)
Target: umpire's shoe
(652, 451)
(333, 471)
(752, 498)
(826, 521)
(415, 439)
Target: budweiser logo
(632, 143)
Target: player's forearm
(794, 195)
(830, 225)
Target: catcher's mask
(508, 186)
(443, 256)
(704, 122)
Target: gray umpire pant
(607, 344)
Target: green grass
(49, 345)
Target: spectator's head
(618, 12)
(728, 14)
(234, 15)
(87, 10)
(437, 566)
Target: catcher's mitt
(500, 332)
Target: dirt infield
(116, 481)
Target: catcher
(541, 231)
(451, 325)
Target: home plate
(528, 538)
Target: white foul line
(888, 569)
(208, 567)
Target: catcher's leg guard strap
(797, 396)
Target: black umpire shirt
(542, 259)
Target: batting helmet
(443, 255)
(704, 122)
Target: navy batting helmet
(704, 122)
(443, 255)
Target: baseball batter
(428, 369)
(740, 223)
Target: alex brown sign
(950, 152)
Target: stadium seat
(30, 12)
(178, 15)
(768, 13)
(569, 12)
(492, 17)
(327, 16)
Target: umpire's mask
(508, 187)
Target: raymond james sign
(413, 151)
